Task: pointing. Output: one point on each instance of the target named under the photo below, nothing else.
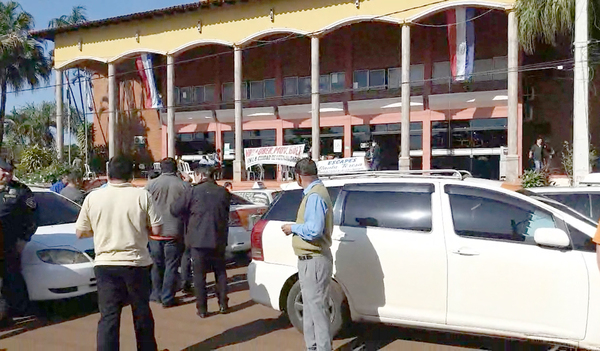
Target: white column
(512, 159)
(238, 163)
(112, 110)
(170, 106)
(405, 130)
(581, 133)
(59, 113)
(316, 105)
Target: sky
(45, 10)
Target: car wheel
(338, 307)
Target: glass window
(324, 83)
(304, 86)
(186, 95)
(285, 207)
(581, 241)
(377, 78)
(338, 81)
(394, 78)
(501, 68)
(417, 75)
(177, 96)
(228, 93)
(579, 202)
(53, 209)
(442, 73)
(186, 137)
(238, 200)
(257, 90)
(482, 70)
(485, 214)
(361, 79)
(396, 210)
(290, 86)
(209, 93)
(595, 200)
(199, 94)
(270, 88)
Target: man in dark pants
(166, 249)
(119, 218)
(18, 223)
(206, 208)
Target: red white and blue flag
(144, 67)
(461, 41)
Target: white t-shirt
(120, 217)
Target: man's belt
(305, 257)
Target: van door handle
(465, 251)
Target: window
(54, 209)
(186, 95)
(394, 77)
(177, 96)
(338, 81)
(324, 83)
(501, 68)
(417, 75)
(228, 92)
(486, 214)
(361, 80)
(580, 202)
(290, 86)
(285, 206)
(209, 93)
(442, 73)
(238, 200)
(304, 86)
(581, 242)
(199, 95)
(482, 70)
(595, 200)
(395, 206)
(270, 90)
(257, 90)
(377, 78)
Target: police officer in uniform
(18, 224)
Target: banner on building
(145, 70)
(273, 155)
(342, 165)
(461, 41)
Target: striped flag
(144, 67)
(461, 42)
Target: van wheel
(338, 308)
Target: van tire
(339, 308)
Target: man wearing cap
(17, 219)
(311, 241)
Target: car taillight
(256, 240)
(234, 219)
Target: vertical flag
(89, 93)
(144, 67)
(461, 42)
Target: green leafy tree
(77, 15)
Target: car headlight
(62, 256)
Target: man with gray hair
(311, 242)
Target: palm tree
(22, 59)
(76, 16)
(31, 124)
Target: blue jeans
(166, 255)
(537, 165)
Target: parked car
(259, 196)
(241, 219)
(584, 199)
(442, 252)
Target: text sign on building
(273, 155)
(342, 165)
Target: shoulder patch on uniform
(30, 202)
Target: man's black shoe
(169, 304)
(223, 309)
(202, 314)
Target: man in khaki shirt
(120, 218)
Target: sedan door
(389, 251)
(499, 279)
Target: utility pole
(581, 134)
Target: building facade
(234, 75)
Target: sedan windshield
(53, 209)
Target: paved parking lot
(71, 325)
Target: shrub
(35, 158)
(567, 159)
(532, 179)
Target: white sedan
(57, 265)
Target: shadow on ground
(242, 333)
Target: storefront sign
(342, 165)
(273, 155)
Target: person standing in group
(72, 191)
(206, 208)
(166, 249)
(311, 242)
(60, 184)
(18, 224)
(375, 152)
(536, 154)
(119, 218)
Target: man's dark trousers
(203, 260)
(14, 288)
(166, 255)
(118, 286)
(186, 269)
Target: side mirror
(551, 237)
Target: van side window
(285, 207)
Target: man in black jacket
(206, 208)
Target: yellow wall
(233, 23)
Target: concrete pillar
(238, 163)
(316, 105)
(581, 132)
(170, 106)
(59, 113)
(112, 110)
(279, 142)
(512, 159)
(405, 136)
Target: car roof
(565, 189)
